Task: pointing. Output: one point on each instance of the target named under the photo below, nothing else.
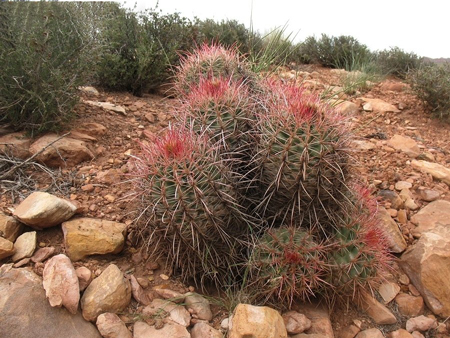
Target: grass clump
(431, 83)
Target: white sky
(422, 27)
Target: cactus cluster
(253, 181)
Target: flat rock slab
(41, 210)
(26, 313)
(89, 236)
(404, 144)
(427, 264)
(15, 144)
(435, 213)
(381, 106)
(108, 106)
(67, 152)
(436, 170)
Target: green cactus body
(301, 156)
(287, 263)
(193, 216)
(359, 247)
(207, 62)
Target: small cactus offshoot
(287, 264)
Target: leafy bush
(431, 83)
(41, 48)
(397, 62)
(139, 49)
(335, 52)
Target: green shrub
(139, 49)
(431, 83)
(41, 48)
(397, 62)
(335, 52)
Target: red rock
(409, 306)
(15, 144)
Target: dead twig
(11, 171)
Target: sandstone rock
(393, 86)
(173, 296)
(107, 106)
(109, 292)
(172, 330)
(110, 326)
(370, 333)
(110, 176)
(436, 170)
(198, 306)
(41, 210)
(429, 195)
(381, 106)
(89, 90)
(388, 291)
(427, 264)
(404, 144)
(296, 322)
(84, 277)
(65, 152)
(61, 283)
(24, 246)
(15, 144)
(320, 320)
(347, 108)
(89, 236)
(6, 248)
(437, 212)
(396, 242)
(392, 197)
(25, 311)
(420, 323)
(417, 334)
(409, 306)
(138, 292)
(349, 332)
(363, 145)
(82, 136)
(256, 322)
(177, 313)
(400, 334)
(402, 216)
(410, 204)
(42, 254)
(10, 228)
(377, 311)
(203, 330)
(400, 185)
(92, 129)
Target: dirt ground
(111, 196)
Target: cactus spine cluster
(255, 176)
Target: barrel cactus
(210, 61)
(287, 264)
(192, 216)
(302, 156)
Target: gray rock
(26, 313)
(198, 306)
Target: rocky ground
(399, 151)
